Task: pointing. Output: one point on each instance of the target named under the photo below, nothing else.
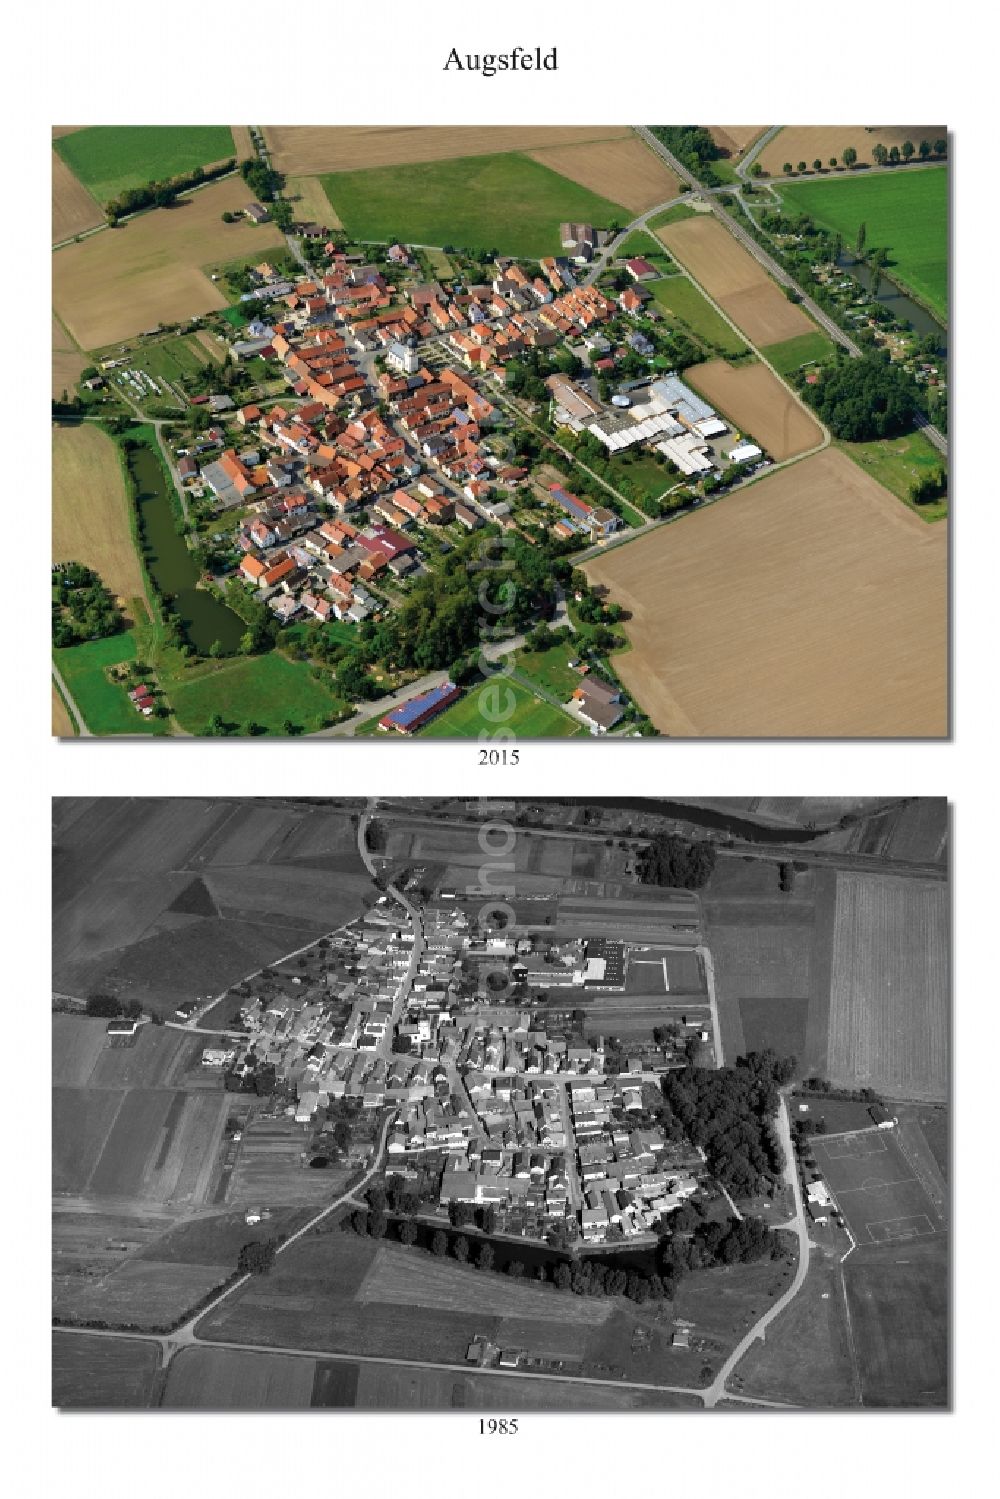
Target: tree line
(82, 607)
(677, 862)
(162, 194)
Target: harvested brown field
(734, 279)
(624, 170)
(141, 1293)
(90, 509)
(222, 1379)
(73, 209)
(62, 724)
(305, 150)
(309, 201)
(67, 360)
(734, 138)
(807, 142)
(812, 603)
(242, 142)
(95, 1373)
(150, 270)
(758, 405)
(889, 988)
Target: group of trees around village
(675, 861)
(729, 1113)
(863, 399)
(162, 194)
(82, 608)
(694, 146)
(693, 1242)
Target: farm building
(744, 452)
(417, 711)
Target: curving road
(717, 1391)
(70, 702)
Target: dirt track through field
(812, 603)
(735, 280)
(305, 150)
(734, 138)
(808, 142)
(757, 403)
(626, 171)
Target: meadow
(105, 705)
(905, 212)
(687, 304)
(107, 159)
(266, 690)
(508, 203)
(897, 463)
(793, 353)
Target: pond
(204, 619)
(899, 304)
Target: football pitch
(876, 1188)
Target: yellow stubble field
(305, 150)
(806, 143)
(734, 279)
(810, 604)
(624, 170)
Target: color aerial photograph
(479, 431)
(409, 1104)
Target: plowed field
(757, 404)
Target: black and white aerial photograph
(446, 1105)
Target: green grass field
(110, 158)
(896, 462)
(105, 705)
(672, 216)
(551, 669)
(905, 212)
(679, 296)
(261, 689)
(792, 353)
(506, 202)
(530, 718)
(641, 243)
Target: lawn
(792, 353)
(896, 462)
(672, 216)
(487, 709)
(265, 690)
(641, 243)
(506, 203)
(679, 295)
(551, 669)
(105, 705)
(107, 159)
(904, 212)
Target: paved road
(778, 273)
(70, 702)
(717, 1389)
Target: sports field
(625, 170)
(890, 999)
(508, 203)
(503, 705)
(905, 212)
(107, 159)
(797, 143)
(148, 271)
(812, 603)
(305, 150)
(757, 405)
(90, 509)
(875, 1187)
(793, 353)
(685, 303)
(735, 280)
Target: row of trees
(108, 1007)
(161, 194)
(882, 156)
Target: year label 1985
(498, 1426)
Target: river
(204, 619)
